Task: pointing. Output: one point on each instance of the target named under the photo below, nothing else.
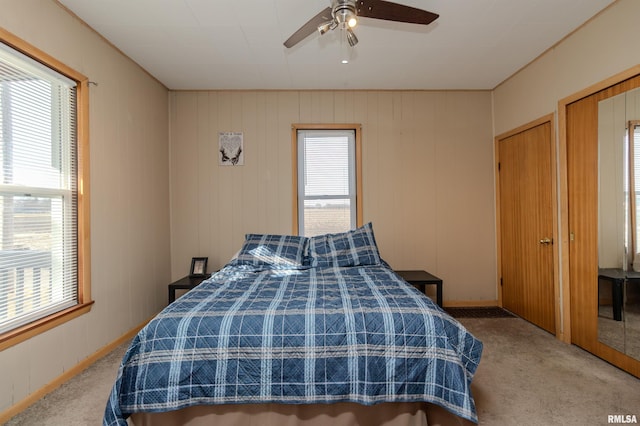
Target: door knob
(546, 241)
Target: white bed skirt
(339, 414)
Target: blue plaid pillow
(352, 248)
(274, 251)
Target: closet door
(582, 177)
(582, 171)
(526, 225)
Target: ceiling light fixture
(351, 37)
(323, 28)
(345, 13)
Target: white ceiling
(237, 44)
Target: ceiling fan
(344, 14)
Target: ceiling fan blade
(389, 11)
(309, 28)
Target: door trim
(561, 332)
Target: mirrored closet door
(619, 222)
(601, 235)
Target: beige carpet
(526, 378)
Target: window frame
(24, 332)
(357, 128)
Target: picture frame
(231, 149)
(198, 267)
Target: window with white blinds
(326, 181)
(38, 196)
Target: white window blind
(326, 181)
(38, 198)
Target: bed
(293, 330)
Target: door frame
(561, 332)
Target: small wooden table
(185, 283)
(422, 279)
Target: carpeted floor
(526, 378)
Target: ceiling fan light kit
(323, 28)
(345, 13)
(351, 37)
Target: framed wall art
(230, 149)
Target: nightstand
(421, 279)
(185, 283)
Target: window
(43, 276)
(327, 179)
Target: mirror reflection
(619, 222)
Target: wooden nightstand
(185, 283)
(421, 279)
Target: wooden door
(582, 177)
(526, 224)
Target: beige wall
(129, 196)
(427, 176)
(605, 46)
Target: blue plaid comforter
(318, 335)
